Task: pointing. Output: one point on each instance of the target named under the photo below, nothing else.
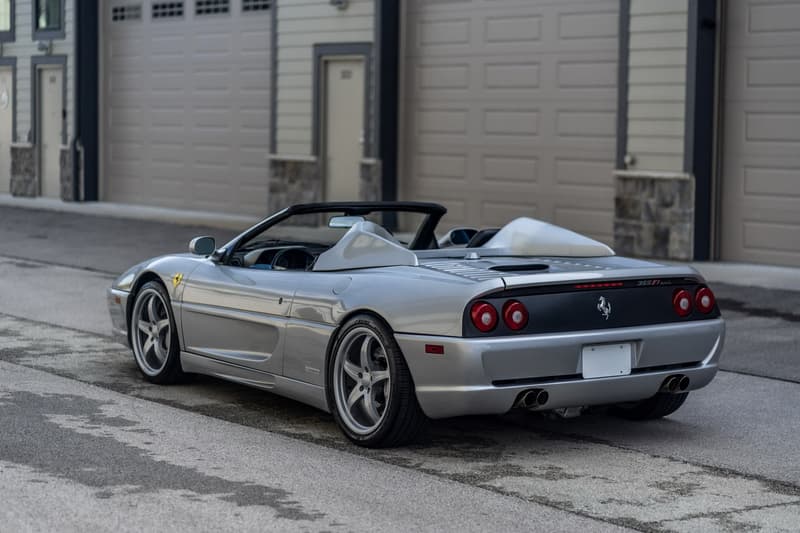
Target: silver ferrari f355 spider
(324, 304)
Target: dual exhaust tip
(675, 384)
(533, 399)
(536, 398)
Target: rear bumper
(486, 376)
(117, 307)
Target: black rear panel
(578, 306)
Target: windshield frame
(424, 239)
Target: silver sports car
(323, 303)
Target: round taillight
(515, 315)
(704, 300)
(682, 302)
(484, 316)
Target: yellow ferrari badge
(176, 280)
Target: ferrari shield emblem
(176, 280)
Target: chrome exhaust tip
(670, 384)
(533, 399)
(683, 383)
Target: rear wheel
(153, 335)
(658, 406)
(370, 389)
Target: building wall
(657, 84)
(300, 25)
(23, 47)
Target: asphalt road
(87, 444)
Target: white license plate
(604, 360)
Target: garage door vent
(163, 10)
(131, 12)
(255, 5)
(211, 7)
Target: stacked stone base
(24, 178)
(654, 215)
(301, 180)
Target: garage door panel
(510, 108)
(182, 95)
(761, 153)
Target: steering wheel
(292, 259)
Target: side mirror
(202, 245)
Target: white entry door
(344, 128)
(6, 126)
(51, 123)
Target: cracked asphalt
(86, 444)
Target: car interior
(296, 242)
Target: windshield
(324, 229)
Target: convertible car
(324, 304)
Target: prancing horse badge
(604, 306)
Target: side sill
(306, 393)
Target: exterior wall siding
(301, 24)
(23, 48)
(657, 84)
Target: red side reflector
(117, 300)
(606, 285)
(434, 349)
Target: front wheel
(370, 389)
(153, 335)
(658, 406)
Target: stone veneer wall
(294, 181)
(299, 181)
(654, 215)
(65, 162)
(23, 171)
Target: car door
(238, 315)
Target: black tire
(402, 420)
(162, 371)
(658, 406)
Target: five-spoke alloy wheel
(370, 389)
(153, 337)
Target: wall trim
(327, 50)
(86, 139)
(387, 37)
(622, 81)
(12, 62)
(699, 143)
(273, 75)
(40, 61)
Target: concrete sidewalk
(107, 232)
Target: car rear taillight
(515, 315)
(704, 300)
(682, 302)
(484, 316)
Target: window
(211, 7)
(6, 9)
(255, 5)
(129, 12)
(163, 10)
(49, 15)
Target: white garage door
(186, 104)
(510, 109)
(761, 153)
